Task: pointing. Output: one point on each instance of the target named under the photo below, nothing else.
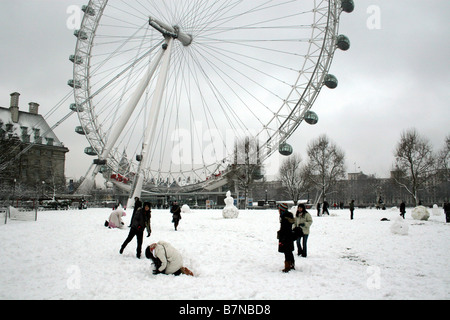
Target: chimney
(34, 108)
(14, 107)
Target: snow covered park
(71, 255)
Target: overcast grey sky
(394, 77)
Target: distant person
(447, 211)
(318, 209)
(402, 209)
(167, 259)
(175, 210)
(325, 208)
(352, 209)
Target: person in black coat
(176, 214)
(447, 211)
(285, 237)
(402, 209)
(139, 221)
(137, 205)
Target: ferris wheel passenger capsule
(76, 59)
(74, 83)
(80, 130)
(311, 117)
(100, 162)
(76, 107)
(331, 81)
(343, 42)
(88, 10)
(285, 149)
(80, 34)
(348, 5)
(90, 151)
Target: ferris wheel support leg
(88, 183)
(135, 98)
(153, 118)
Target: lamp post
(43, 186)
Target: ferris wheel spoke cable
(216, 93)
(221, 73)
(222, 81)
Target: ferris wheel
(164, 89)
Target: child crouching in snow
(167, 259)
(115, 218)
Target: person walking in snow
(175, 210)
(352, 209)
(166, 258)
(447, 211)
(325, 207)
(318, 209)
(285, 237)
(139, 222)
(303, 220)
(402, 209)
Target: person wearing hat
(139, 222)
(285, 237)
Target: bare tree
(414, 162)
(293, 177)
(326, 164)
(246, 167)
(443, 161)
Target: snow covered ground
(71, 255)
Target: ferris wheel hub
(171, 31)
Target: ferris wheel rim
(83, 95)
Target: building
(32, 157)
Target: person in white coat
(115, 218)
(167, 259)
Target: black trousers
(139, 236)
(302, 250)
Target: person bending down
(166, 258)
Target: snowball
(400, 227)
(420, 213)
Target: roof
(31, 122)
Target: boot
(287, 266)
(186, 271)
